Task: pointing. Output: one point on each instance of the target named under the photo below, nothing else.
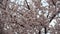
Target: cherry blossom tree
(29, 16)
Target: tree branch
(45, 30)
(54, 16)
(53, 3)
(27, 4)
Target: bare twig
(54, 15)
(53, 2)
(27, 4)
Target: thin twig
(27, 4)
(53, 3)
(54, 16)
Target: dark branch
(45, 30)
(27, 4)
(39, 31)
(54, 16)
(53, 2)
